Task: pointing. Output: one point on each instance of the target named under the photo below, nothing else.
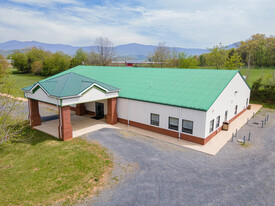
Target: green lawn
(23, 80)
(255, 73)
(44, 170)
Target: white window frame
(211, 127)
(225, 115)
(185, 130)
(171, 126)
(236, 110)
(154, 122)
(218, 121)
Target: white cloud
(190, 24)
(44, 2)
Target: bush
(37, 67)
(263, 92)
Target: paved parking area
(151, 172)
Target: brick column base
(80, 109)
(34, 115)
(112, 114)
(65, 131)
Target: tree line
(41, 62)
(258, 50)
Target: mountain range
(125, 51)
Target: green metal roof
(69, 84)
(189, 88)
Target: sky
(178, 23)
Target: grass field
(44, 170)
(23, 80)
(255, 73)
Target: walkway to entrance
(81, 125)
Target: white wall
(90, 96)
(227, 100)
(42, 96)
(90, 106)
(141, 112)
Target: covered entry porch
(69, 90)
(81, 125)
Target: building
(189, 104)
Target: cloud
(197, 23)
(44, 2)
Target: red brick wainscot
(175, 134)
(163, 131)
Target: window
(173, 123)
(225, 115)
(154, 119)
(187, 126)
(218, 122)
(211, 128)
(236, 109)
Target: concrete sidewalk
(85, 124)
(213, 146)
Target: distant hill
(133, 50)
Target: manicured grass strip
(44, 170)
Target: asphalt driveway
(150, 172)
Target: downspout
(60, 118)
(60, 122)
(29, 111)
(180, 123)
(128, 112)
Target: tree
(258, 50)
(36, 54)
(20, 61)
(105, 51)
(161, 54)
(11, 122)
(186, 61)
(217, 56)
(173, 60)
(56, 63)
(4, 65)
(37, 67)
(81, 57)
(202, 60)
(234, 61)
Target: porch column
(80, 109)
(65, 131)
(112, 114)
(34, 115)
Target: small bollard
(267, 117)
(265, 120)
(236, 133)
(253, 115)
(232, 137)
(249, 136)
(262, 124)
(243, 140)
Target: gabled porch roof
(68, 85)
